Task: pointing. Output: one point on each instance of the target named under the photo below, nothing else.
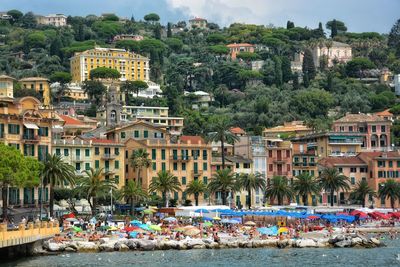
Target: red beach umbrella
(312, 217)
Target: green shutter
(154, 166)
(145, 134)
(205, 166)
(87, 152)
(58, 152)
(175, 166)
(153, 154)
(87, 166)
(205, 180)
(183, 166)
(97, 164)
(163, 154)
(116, 164)
(183, 180)
(136, 134)
(204, 154)
(123, 135)
(163, 167)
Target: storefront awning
(31, 126)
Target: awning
(31, 126)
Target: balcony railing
(180, 158)
(30, 138)
(108, 156)
(345, 141)
(197, 172)
(78, 158)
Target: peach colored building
(335, 52)
(288, 129)
(235, 49)
(279, 158)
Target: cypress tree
(306, 80)
(334, 29)
(321, 30)
(286, 69)
(308, 64)
(157, 32)
(278, 71)
(169, 30)
(55, 48)
(296, 85)
(289, 25)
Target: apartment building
(279, 158)
(40, 85)
(235, 49)
(57, 20)
(197, 23)
(288, 130)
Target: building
(288, 130)
(257, 65)
(304, 158)
(279, 158)
(386, 115)
(197, 23)
(375, 129)
(95, 153)
(57, 20)
(76, 92)
(153, 90)
(199, 99)
(75, 127)
(334, 52)
(235, 49)
(6, 87)
(40, 85)
(130, 37)
(131, 66)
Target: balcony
(197, 173)
(27, 138)
(109, 171)
(279, 160)
(312, 144)
(77, 158)
(108, 156)
(180, 158)
(281, 173)
(348, 141)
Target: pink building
(235, 49)
(334, 51)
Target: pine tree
(169, 30)
(334, 29)
(132, 19)
(308, 64)
(289, 25)
(55, 48)
(157, 31)
(321, 30)
(394, 35)
(286, 69)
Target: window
(176, 196)
(123, 135)
(288, 153)
(154, 166)
(288, 167)
(204, 154)
(373, 128)
(340, 170)
(116, 164)
(205, 180)
(381, 163)
(184, 195)
(87, 166)
(43, 131)
(13, 129)
(353, 169)
(183, 166)
(96, 151)
(66, 153)
(246, 165)
(383, 128)
(296, 159)
(145, 134)
(116, 151)
(270, 153)
(364, 179)
(271, 167)
(58, 152)
(390, 164)
(204, 166)
(183, 180)
(363, 169)
(78, 166)
(353, 180)
(163, 166)
(398, 164)
(116, 179)
(136, 134)
(175, 166)
(97, 164)
(237, 165)
(163, 154)
(153, 154)
(87, 152)
(350, 128)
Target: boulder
(85, 246)
(213, 245)
(107, 247)
(356, 241)
(375, 241)
(343, 244)
(195, 244)
(232, 244)
(104, 240)
(132, 243)
(120, 247)
(322, 242)
(171, 244)
(243, 243)
(282, 243)
(305, 243)
(70, 249)
(147, 244)
(55, 247)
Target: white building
(200, 99)
(153, 90)
(57, 20)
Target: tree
(138, 160)
(250, 182)
(279, 188)
(57, 173)
(15, 14)
(222, 181)
(278, 71)
(16, 171)
(219, 49)
(390, 189)
(394, 36)
(93, 186)
(169, 30)
(95, 90)
(104, 73)
(174, 44)
(110, 17)
(157, 31)
(289, 25)
(152, 17)
(133, 192)
(165, 183)
(336, 27)
(63, 78)
(305, 184)
(196, 188)
(312, 103)
(29, 21)
(331, 180)
(308, 64)
(356, 66)
(216, 38)
(362, 191)
(55, 48)
(221, 126)
(287, 74)
(320, 31)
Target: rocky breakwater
(108, 245)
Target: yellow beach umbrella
(283, 230)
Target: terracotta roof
(288, 128)
(6, 77)
(102, 141)
(386, 113)
(31, 79)
(361, 117)
(380, 154)
(193, 139)
(340, 161)
(237, 130)
(240, 45)
(71, 121)
(198, 19)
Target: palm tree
(93, 186)
(279, 188)
(251, 182)
(132, 192)
(196, 188)
(138, 160)
(306, 185)
(390, 189)
(222, 134)
(57, 173)
(331, 180)
(361, 191)
(223, 181)
(165, 182)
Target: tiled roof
(198, 19)
(361, 117)
(237, 130)
(340, 161)
(6, 77)
(193, 139)
(380, 154)
(71, 121)
(386, 112)
(102, 141)
(30, 79)
(339, 44)
(240, 45)
(288, 128)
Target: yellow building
(40, 85)
(130, 65)
(188, 158)
(6, 86)
(25, 125)
(84, 154)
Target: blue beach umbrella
(202, 211)
(136, 222)
(207, 219)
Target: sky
(359, 15)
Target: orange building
(279, 158)
(235, 49)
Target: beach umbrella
(170, 219)
(192, 232)
(76, 229)
(133, 234)
(136, 222)
(131, 228)
(208, 224)
(202, 211)
(148, 211)
(250, 223)
(144, 227)
(217, 218)
(312, 217)
(155, 227)
(207, 219)
(283, 230)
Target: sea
(384, 256)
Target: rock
(343, 244)
(375, 241)
(55, 247)
(107, 247)
(85, 246)
(213, 245)
(120, 247)
(233, 244)
(305, 243)
(70, 249)
(104, 240)
(195, 244)
(322, 242)
(147, 244)
(356, 241)
(243, 243)
(171, 244)
(282, 243)
(132, 243)
(72, 245)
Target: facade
(386, 115)
(75, 127)
(40, 85)
(85, 154)
(130, 37)
(304, 159)
(375, 129)
(153, 90)
(6, 87)
(198, 23)
(287, 130)
(235, 49)
(334, 52)
(57, 20)
(130, 65)
(279, 158)
(199, 99)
